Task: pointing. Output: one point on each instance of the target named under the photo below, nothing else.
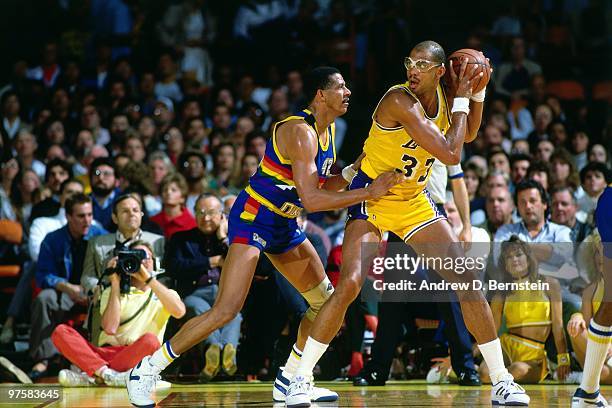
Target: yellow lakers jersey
(388, 149)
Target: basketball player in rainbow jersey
(600, 326)
(294, 174)
(413, 125)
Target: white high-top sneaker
(508, 393)
(141, 383)
(298, 392)
(279, 389)
(582, 399)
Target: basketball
(474, 57)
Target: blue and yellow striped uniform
(264, 212)
(603, 220)
(407, 207)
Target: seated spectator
(127, 215)
(563, 212)
(58, 171)
(25, 145)
(498, 160)
(58, 274)
(90, 120)
(174, 216)
(542, 118)
(564, 172)
(104, 190)
(160, 166)
(247, 169)
(544, 149)
(580, 144)
(473, 177)
(540, 172)
(133, 323)
(592, 296)
(594, 178)
(598, 153)
(25, 193)
(519, 164)
(192, 165)
(10, 169)
(530, 317)
(224, 169)
(555, 247)
(513, 76)
(44, 225)
(38, 231)
(194, 260)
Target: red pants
(89, 358)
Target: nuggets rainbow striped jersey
(272, 184)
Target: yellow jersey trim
(261, 200)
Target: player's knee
(317, 296)
(348, 289)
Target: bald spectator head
(209, 213)
(499, 206)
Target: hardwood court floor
(395, 394)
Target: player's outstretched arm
(301, 148)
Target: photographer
(194, 260)
(127, 214)
(134, 319)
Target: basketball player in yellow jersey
(413, 125)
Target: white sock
(163, 357)
(597, 349)
(293, 361)
(494, 357)
(313, 350)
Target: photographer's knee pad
(317, 296)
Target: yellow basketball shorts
(519, 348)
(391, 213)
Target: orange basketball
(474, 57)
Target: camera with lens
(129, 260)
(128, 263)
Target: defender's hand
(384, 182)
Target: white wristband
(461, 105)
(348, 173)
(479, 96)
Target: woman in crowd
(25, 192)
(530, 316)
(472, 175)
(174, 216)
(160, 166)
(564, 172)
(247, 169)
(224, 169)
(592, 297)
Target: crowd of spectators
(133, 124)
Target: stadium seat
(566, 90)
